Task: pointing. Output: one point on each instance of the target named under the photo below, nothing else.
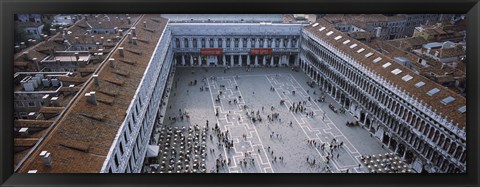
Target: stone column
(183, 60)
(215, 44)
(264, 60)
(249, 43)
(240, 60)
(273, 42)
(231, 60)
(256, 60)
(190, 41)
(281, 43)
(265, 42)
(216, 60)
(271, 60)
(257, 43)
(289, 44)
(199, 60)
(224, 43)
(248, 59)
(224, 61)
(240, 44)
(191, 60)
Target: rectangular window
(203, 42)
(244, 43)
(433, 91)
(228, 43)
(220, 43)
(211, 42)
(236, 42)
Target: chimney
(101, 39)
(45, 99)
(129, 20)
(54, 101)
(130, 37)
(112, 62)
(133, 31)
(95, 78)
(23, 131)
(115, 30)
(31, 115)
(46, 158)
(120, 32)
(91, 98)
(35, 60)
(144, 24)
(77, 56)
(77, 41)
(93, 39)
(121, 52)
(134, 40)
(82, 63)
(25, 56)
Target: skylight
(396, 71)
(315, 24)
(386, 64)
(329, 33)
(419, 84)
(321, 29)
(346, 42)
(377, 59)
(433, 91)
(338, 37)
(353, 46)
(462, 109)
(369, 54)
(407, 78)
(448, 100)
(360, 50)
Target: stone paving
(253, 142)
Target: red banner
(261, 51)
(211, 51)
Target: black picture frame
(9, 7)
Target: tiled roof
(409, 87)
(92, 128)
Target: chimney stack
(95, 78)
(46, 158)
(91, 98)
(31, 115)
(45, 99)
(54, 101)
(35, 60)
(25, 55)
(101, 39)
(82, 62)
(112, 62)
(77, 40)
(77, 56)
(133, 31)
(130, 37)
(121, 52)
(120, 32)
(129, 20)
(134, 40)
(144, 24)
(23, 131)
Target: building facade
(425, 139)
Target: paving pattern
(239, 96)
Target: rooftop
(92, 128)
(449, 110)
